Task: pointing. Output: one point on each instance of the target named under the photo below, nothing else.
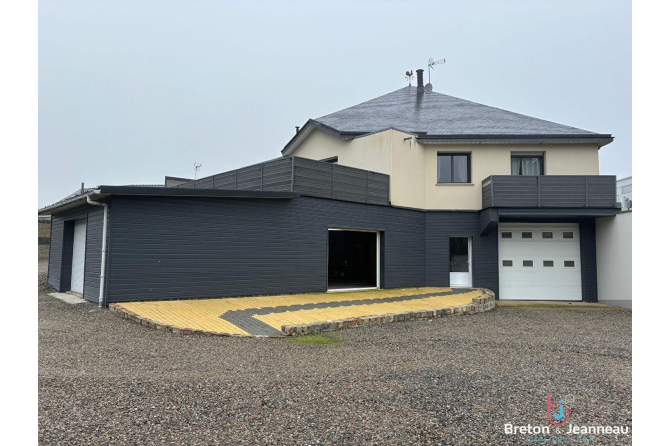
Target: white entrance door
(460, 261)
(539, 261)
(78, 256)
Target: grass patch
(322, 339)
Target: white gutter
(101, 297)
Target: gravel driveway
(457, 380)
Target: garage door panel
(542, 292)
(539, 282)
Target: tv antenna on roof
(196, 167)
(409, 75)
(431, 66)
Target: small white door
(460, 261)
(78, 256)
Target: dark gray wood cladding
(93, 254)
(191, 247)
(552, 191)
(442, 225)
(587, 242)
(171, 248)
(60, 253)
(305, 176)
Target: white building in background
(624, 193)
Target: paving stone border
(479, 304)
(119, 310)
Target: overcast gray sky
(132, 91)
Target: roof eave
(599, 139)
(60, 207)
(192, 192)
(103, 192)
(306, 129)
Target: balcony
(549, 191)
(304, 176)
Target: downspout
(103, 261)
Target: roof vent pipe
(419, 81)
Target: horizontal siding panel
(56, 267)
(93, 255)
(442, 225)
(165, 248)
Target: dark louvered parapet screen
(551, 191)
(305, 176)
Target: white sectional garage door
(78, 256)
(539, 262)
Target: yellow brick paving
(204, 314)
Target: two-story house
(414, 188)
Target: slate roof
(73, 196)
(438, 117)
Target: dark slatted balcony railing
(305, 176)
(550, 191)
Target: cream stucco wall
(386, 152)
(614, 252)
(493, 159)
(413, 166)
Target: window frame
(468, 157)
(527, 155)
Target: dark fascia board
(556, 212)
(599, 139)
(102, 192)
(63, 206)
(189, 192)
(312, 124)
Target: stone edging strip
(479, 304)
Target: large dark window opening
(352, 259)
(528, 165)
